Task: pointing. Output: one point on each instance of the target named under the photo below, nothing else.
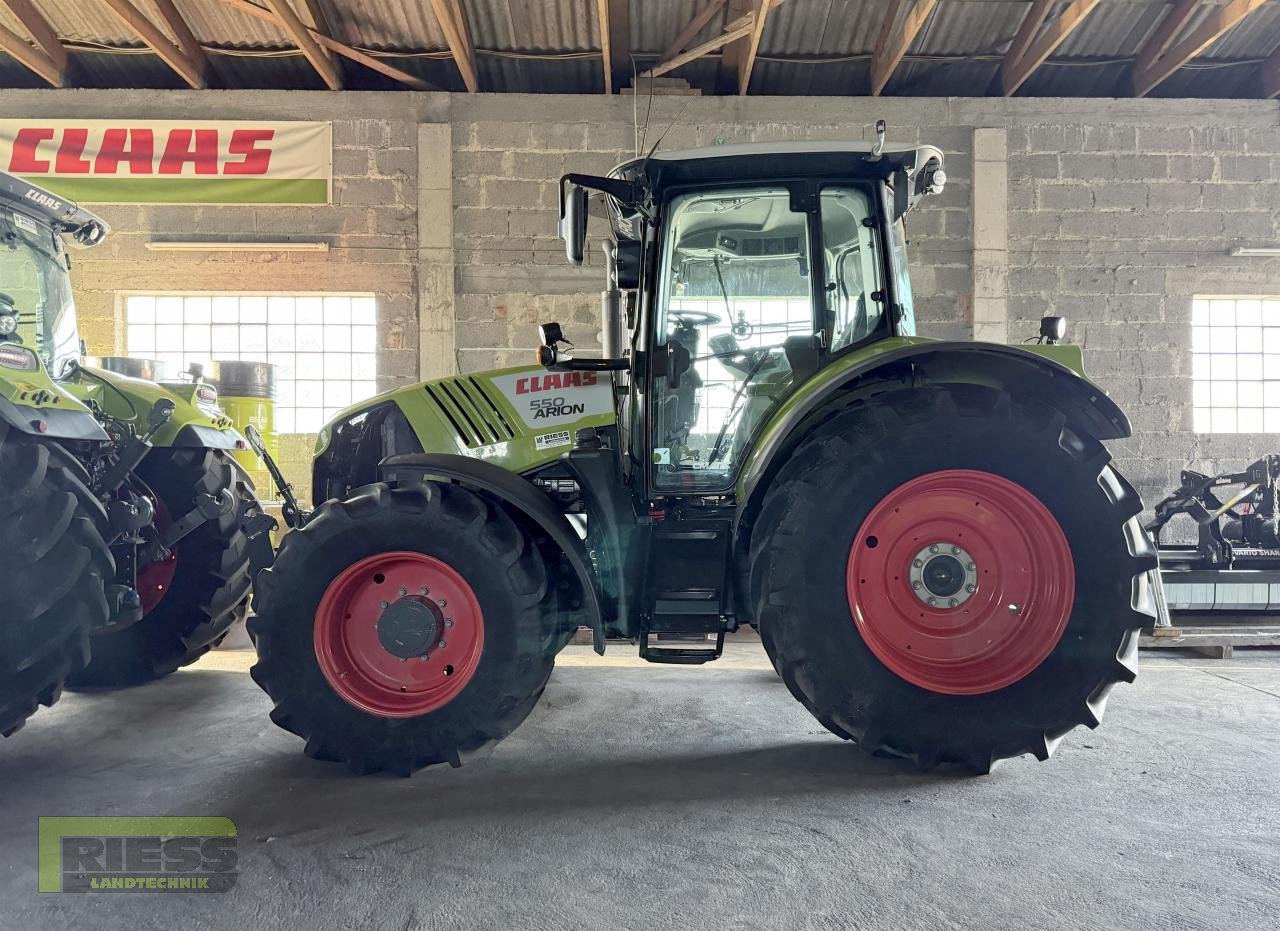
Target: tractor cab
(740, 273)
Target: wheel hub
(410, 626)
(943, 575)
(399, 634)
(961, 582)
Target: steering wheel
(694, 317)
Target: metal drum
(247, 393)
(149, 369)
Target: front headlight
(17, 357)
(8, 324)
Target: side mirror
(573, 221)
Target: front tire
(1001, 650)
(55, 563)
(191, 600)
(403, 627)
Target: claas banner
(172, 161)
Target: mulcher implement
(940, 558)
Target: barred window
(1235, 364)
(323, 346)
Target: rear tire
(209, 588)
(345, 706)
(806, 593)
(55, 563)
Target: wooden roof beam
(457, 33)
(190, 67)
(735, 29)
(1157, 61)
(759, 15)
(1015, 73)
(31, 57)
(692, 28)
(606, 48)
(893, 44)
(46, 40)
(339, 48)
(615, 41)
(301, 36)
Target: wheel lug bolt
(971, 588)
(955, 550)
(424, 591)
(401, 592)
(384, 605)
(917, 563)
(423, 658)
(916, 584)
(933, 602)
(443, 602)
(934, 548)
(448, 622)
(952, 603)
(443, 644)
(971, 567)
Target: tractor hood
(516, 418)
(197, 419)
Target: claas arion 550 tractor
(940, 559)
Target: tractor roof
(764, 162)
(757, 161)
(63, 215)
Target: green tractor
(940, 560)
(122, 514)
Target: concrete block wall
(1114, 213)
(1111, 212)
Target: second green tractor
(123, 545)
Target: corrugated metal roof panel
(808, 46)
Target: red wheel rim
(1012, 552)
(155, 578)
(353, 656)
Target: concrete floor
(671, 797)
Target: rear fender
(518, 494)
(1052, 375)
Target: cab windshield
(34, 280)
(736, 306)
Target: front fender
(519, 493)
(1034, 373)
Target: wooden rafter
(606, 48)
(182, 32)
(1014, 73)
(1031, 24)
(339, 48)
(759, 15)
(1271, 75)
(692, 28)
(453, 23)
(301, 35)
(30, 56)
(190, 68)
(46, 40)
(1156, 62)
(735, 29)
(893, 43)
